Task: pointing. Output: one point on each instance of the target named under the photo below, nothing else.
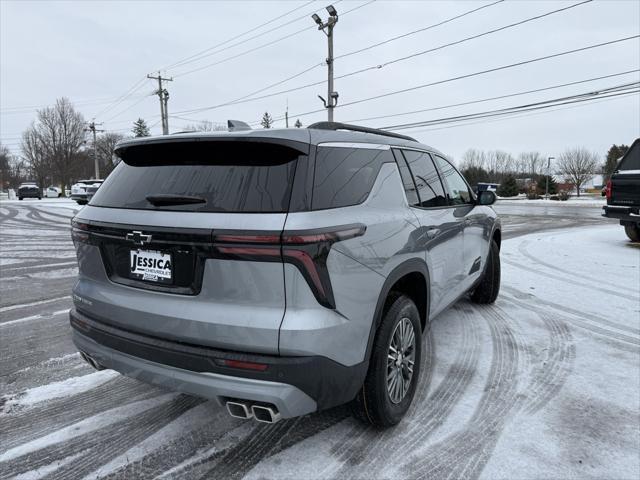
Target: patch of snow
(64, 388)
(48, 469)
(87, 425)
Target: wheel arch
(411, 278)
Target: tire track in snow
(59, 413)
(547, 274)
(522, 248)
(428, 415)
(464, 453)
(616, 340)
(268, 440)
(7, 216)
(103, 444)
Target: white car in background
(52, 192)
(83, 190)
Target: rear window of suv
(231, 176)
(344, 175)
(631, 161)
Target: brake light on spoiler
(308, 250)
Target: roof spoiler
(237, 125)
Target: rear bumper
(622, 213)
(29, 194)
(296, 385)
(78, 196)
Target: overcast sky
(93, 52)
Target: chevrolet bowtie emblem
(138, 237)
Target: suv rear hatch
(151, 243)
(624, 189)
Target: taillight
(79, 232)
(609, 189)
(308, 250)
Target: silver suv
(279, 272)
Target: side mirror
(486, 197)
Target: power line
(617, 90)
(246, 52)
(134, 88)
(404, 35)
(469, 75)
(551, 109)
(393, 61)
(200, 55)
(499, 97)
(490, 70)
(280, 82)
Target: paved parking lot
(543, 384)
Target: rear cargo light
(259, 367)
(608, 189)
(308, 250)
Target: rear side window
(458, 189)
(407, 180)
(344, 176)
(230, 176)
(631, 161)
(427, 180)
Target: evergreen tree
(508, 187)
(541, 185)
(298, 123)
(140, 128)
(475, 175)
(613, 155)
(266, 121)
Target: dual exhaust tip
(266, 413)
(91, 361)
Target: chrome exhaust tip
(91, 361)
(239, 409)
(266, 414)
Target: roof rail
(357, 128)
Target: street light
(327, 29)
(546, 188)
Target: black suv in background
(29, 190)
(623, 192)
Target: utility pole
(286, 115)
(546, 188)
(163, 95)
(91, 127)
(327, 29)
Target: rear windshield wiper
(168, 199)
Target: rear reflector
(260, 367)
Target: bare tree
(530, 163)
(473, 159)
(206, 126)
(105, 146)
(578, 165)
(53, 144)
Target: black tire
(81, 202)
(633, 232)
(19, 198)
(373, 404)
(487, 290)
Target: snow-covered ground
(543, 384)
(584, 200)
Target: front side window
(427, 180)
(457, 188)
(344, 176)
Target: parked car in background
(623, 192)
(52, 192)
(481, 187)
(79, 190)
(280, 272)
(29, 190)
